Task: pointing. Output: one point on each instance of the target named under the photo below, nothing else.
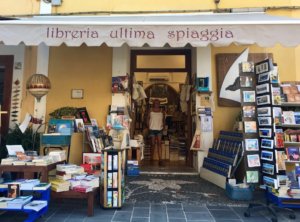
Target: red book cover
(279, 140)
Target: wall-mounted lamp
(38, 85)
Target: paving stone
(195, 208)
(175, 213)
(224, 214)
(198, 216)
(140, 219)
(122, 216)
(141, 212)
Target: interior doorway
(6, 73)
(164, 75)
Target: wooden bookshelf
(291, 144)
(290, 125)
(290, 104)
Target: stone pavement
(75, 211)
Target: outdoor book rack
(37, 195)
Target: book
(288, 117)
(36, 205)
(281, 157)
(29, 184)
(4, 201)
(13, 190)
(18, 202)
(41, 186)
(292, 153)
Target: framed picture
(92, 158)
(249, 111)
(248, 96)
(263, 66)
(267, 143)
(77, 93)
(266, 155)
(268, 168)
(251, 145)
(263, 88)
(252, 176)
(265, 132)
(263, 100)
(250, 127)
(246, 81)
(264, 121)
(245, 67)
(264, 111)
(253, 160)
(265, 77)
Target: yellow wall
(87, 68)
(224, 117)
(19, 7)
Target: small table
(28, 171)
(90, 196)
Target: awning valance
(177, 30)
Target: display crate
(237, 193)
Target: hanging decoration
(38, 85)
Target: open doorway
(164, 75)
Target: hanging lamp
(38, 85)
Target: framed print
(249, 111)
(263, 66)
(264, 111)
(267, 143)
(268, 168)
(92, 158)
(77, 93)
(252, 176)
(265, 77)
(266, 155)
(263, 88)
(251, 145)
(264, 121)
(265, 132)
(250, 127)
(246, 81)
(253, 160)
(263, 100)
(248, 96)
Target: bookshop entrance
(164, 76)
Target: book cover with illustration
(293, 153)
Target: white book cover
(36, 205)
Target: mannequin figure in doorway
(156, 120)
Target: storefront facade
(90, 66)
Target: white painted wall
(203, 69)
(121, 67)
(19, 54)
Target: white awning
(177, 30)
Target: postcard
(264, 121)
(267, 143)
(252, 176)
(250, 127)
(268, 168)
(263, 88)
(246, 81)
(251, 144)
(270, 182)
(266, 155)
(249, 111)
(253, 160)
(265, 132)
(264, 111)
(246, 67)
(248, 96)
(263, 66)
(265, 77)
(263, 100)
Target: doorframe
(188, 69)
(7, 61)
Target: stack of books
(8, 161)
(28, 184)
(83, 188)
(4, 201)
(19, 202)
(36, 205)
(43, 161)
(290, 117)
(58, 155)
(291, 92)
(58, 185)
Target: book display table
(90, 196)
(37, 195)
(28, 171)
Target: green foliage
(29, 140)
(63, 111)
